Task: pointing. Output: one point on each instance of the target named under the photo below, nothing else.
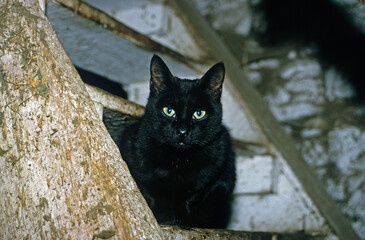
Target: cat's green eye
(168, 111)
(199, 114)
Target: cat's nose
(182, 131)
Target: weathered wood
(62, 177)
(113, 102)
(98, 16)
(173, 233)
(253, 104)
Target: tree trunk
(61, 174)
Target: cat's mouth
(181, 145)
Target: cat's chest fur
(189, 169)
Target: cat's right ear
(213, 80)
(160, 74)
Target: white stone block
(142, 15)
(255, 174)
(288, 209)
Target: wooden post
(61, 175)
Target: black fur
(184, 167)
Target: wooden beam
(253, 104)
(173, 232)
(96, 15)
(114, 102)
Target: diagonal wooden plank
(251, 101)
(90, 12)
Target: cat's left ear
(213, 80)
(160, 74)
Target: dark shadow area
(102, 83)
(322, 23)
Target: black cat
(179, 153)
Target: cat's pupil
(169, 110)
(199, 113)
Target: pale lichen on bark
(61, 174)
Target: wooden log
(173, 233)
(62, 177)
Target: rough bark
(61, 174)
(209, 234)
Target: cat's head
(184, 113)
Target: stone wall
(315, 104)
